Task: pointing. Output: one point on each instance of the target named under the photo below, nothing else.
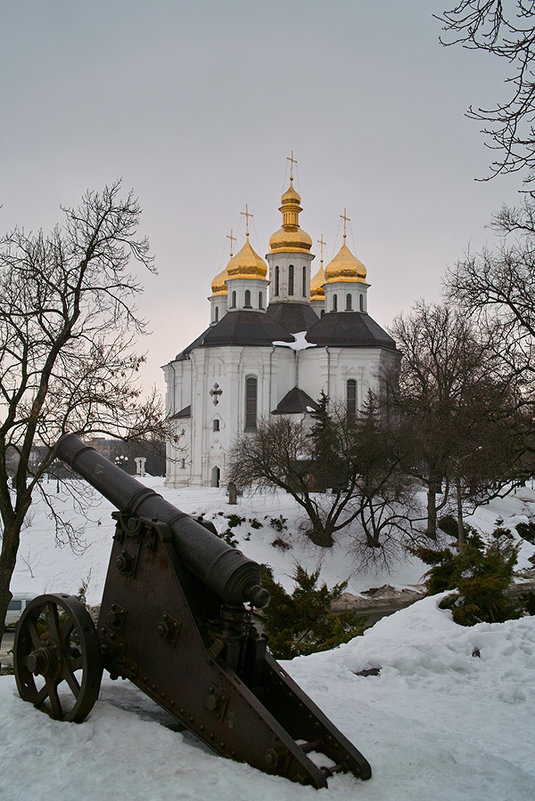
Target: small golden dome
(290, 237)
(345, 267)
(219, 286)
(316, 285)
(246, 264)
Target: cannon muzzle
(225, 570)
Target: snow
(300, 342)
(435, 723)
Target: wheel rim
(56, 657)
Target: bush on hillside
(302, 623)
(479, 575)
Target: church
(277, 337)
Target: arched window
(216, 314)
(304, 282)
(260, 300)
(348, 302)
(251, 387)
(361, 301)
(247, 303)
(233, 304)
(215, 425)
(351, 399)
(335, 302)
(290, 279)
(322, 313)
(277, 278)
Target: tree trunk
(8, 558)
(321, 535)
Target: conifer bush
(303, 623)
(479, 575)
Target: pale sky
(196, 105)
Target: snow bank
(436, 723)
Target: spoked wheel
(56, 657)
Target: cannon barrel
(225, 570)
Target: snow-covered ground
(436, 723)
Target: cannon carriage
(175, 619)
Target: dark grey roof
(349, 330)
(293, 317)
(240, 328)
(185, 412)
(295, 402)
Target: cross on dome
(292, 162)
(346, 219)
(232, 239)
(246, 214)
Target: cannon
(176, 619)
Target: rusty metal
(57, 658)
(174, 623)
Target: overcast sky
(196, 105)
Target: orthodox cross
(321, 243)
(292, 162)
(346, 219)
(246, 214)
(215, 393)
(232, 238)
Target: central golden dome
(290, 237)
(345, 267)
(246, 264)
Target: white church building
(272, 345)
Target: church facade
(272, 345)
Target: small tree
(67, 323)
(284, 454)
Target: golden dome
(246, 264)
(345, 267)
(316, 285)
(219, 286)
(290, 237)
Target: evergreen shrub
(303, 623)
(479, 575)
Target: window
(362, 302)
(335, 302)
(247, 299)
(251, 386)
(183, 464)
(14, 606)
(290, 279)
(215, 425)
(348, 302)
(304, 282)
(277, 277)
(233, 303)
(351, 399)
(260, 300)
(216, 314)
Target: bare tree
(508, 32)
(67, 323)
(460, 403)
(497, 290)
(331, 456)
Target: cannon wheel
(56, 657)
